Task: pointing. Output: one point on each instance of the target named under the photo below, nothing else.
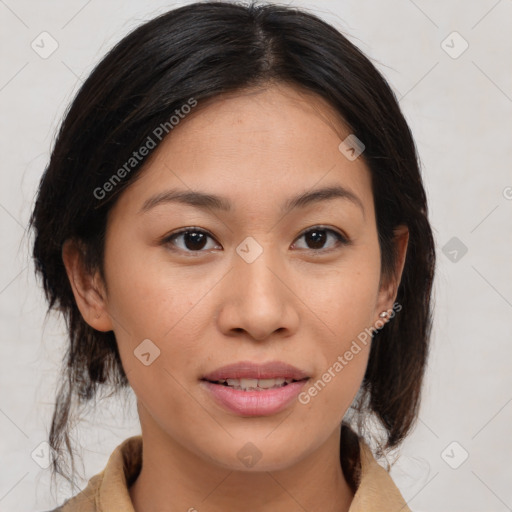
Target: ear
(389, 287)
(88, 289)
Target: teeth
(255, 384)
(270, 383)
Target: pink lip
(250, 370)
(254, 403)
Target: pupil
(194, 240)
(318, 238)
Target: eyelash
(341, 239)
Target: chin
(258, 456)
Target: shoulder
(108, 490)
(86, 500)
(376, 490)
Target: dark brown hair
(200, 51)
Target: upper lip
(251, 370)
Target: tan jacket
(108, 491)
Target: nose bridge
(255, 266)
(258, 301)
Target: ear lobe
(88, 289)
(389, 290)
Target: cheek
(344, 299)
(152, 298)
(344, 357)
(146, 296)
(329, 396)
(343, 296)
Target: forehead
(258, 146)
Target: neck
(172, 478)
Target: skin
(297, 302)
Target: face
(255, 278)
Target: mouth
(255, 384)
(247, 374)
(250, 389)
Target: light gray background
(460, 113)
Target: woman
(234, 225)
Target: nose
(258, 299)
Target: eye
(196, 239)
(316, 238)
(193, 239)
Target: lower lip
(255, 403)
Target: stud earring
(384, 314)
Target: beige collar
(108, 491)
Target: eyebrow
(211, 201)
